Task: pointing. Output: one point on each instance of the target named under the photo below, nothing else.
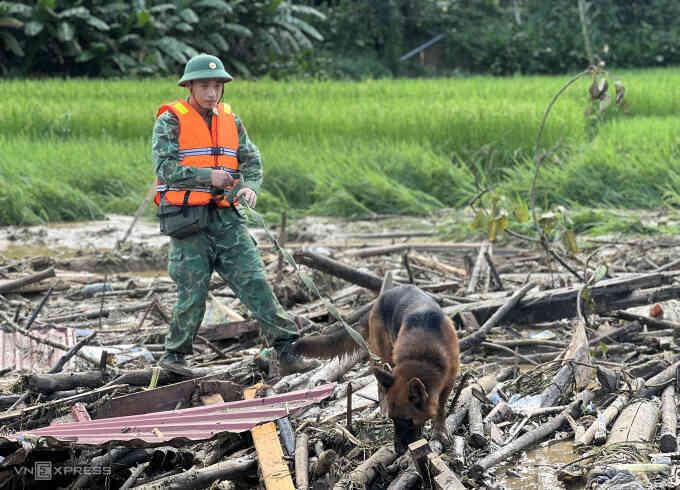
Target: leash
(306, 279)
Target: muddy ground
(120, 275)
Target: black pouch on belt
(182, 221)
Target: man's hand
(248, 195)
(221, 179)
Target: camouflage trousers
(227, 248)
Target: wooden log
(657, 383)
(479, 268)
(529, 438)
(485, 384)
(104, 461)
(72, 352)
(323, 464)
(502, 411)
(436, 265)
(501, 313)
(335, 268)
(367, 471)
(636, 423)
(229, 469)
(604, 419)
(431, 467)
(48, 383)
(408, 479)
(577, 351)
(421, 247)
(273, 467)
(477, 436)
(669, 420)
(555, 304)
(648, 369)
(16, 285)
(627, 329)
(445, 479)
(458, 456)
(302, 461)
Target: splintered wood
(275, 472)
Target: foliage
(105, 38)
(342, 148)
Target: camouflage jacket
(165, 156)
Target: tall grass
(75, 149)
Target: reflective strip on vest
(210, 150)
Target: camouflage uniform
(225, 246)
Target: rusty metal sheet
(176, 427)
(26, 354)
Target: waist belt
(235, 174)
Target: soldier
(199, 149)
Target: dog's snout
(405, 432)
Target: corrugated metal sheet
(26, 354)
(174, 427)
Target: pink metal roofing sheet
(177, 426)
(26, 354)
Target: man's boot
(290, 363)
(175, 363)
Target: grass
(77, 149)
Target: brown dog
(411, 333)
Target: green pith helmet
(204, 66)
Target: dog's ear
(384, 378)
(417, 393)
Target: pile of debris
(550, 356)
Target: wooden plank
(555, 304)
(275, 472)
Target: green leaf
(520, 210)
(47, 4)
(220, 5)
(165, 7)
(12, 44)
(189, 16)
(569, 242)
(65, 32)
(86, 56)
(73, 48)
(184, 27)
(306, 10)
(603, 348)
(306, 28)
(11, 23)
(497, 226)
(547, 221)
(97, 23)
(17, 8)
(599, 274)
(240, 67)
(143, 18)
(160, 60)
(219, 41)
(33, 28)
(238, 29)
(79, 12)
(480, 222)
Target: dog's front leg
(439, 430)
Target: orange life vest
(201, 147)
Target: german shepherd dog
(409, 331)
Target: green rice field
(78, 149)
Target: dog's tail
(330, 345)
